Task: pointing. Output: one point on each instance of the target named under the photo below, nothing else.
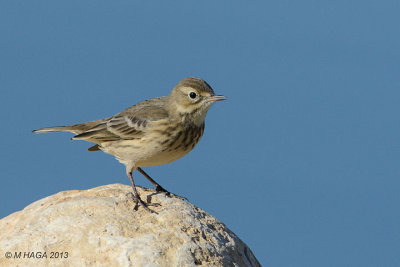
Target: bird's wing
(129, 124)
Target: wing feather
(129, 124)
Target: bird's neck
(187, 114)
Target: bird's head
(191, 98)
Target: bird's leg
(159, 188)
(135, 195)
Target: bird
(153, 132)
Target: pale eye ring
(192, 95)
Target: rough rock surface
(98, 227)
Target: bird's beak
(215, 98)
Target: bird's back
(151, 109)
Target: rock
(98, 227)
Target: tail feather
(76, 128)
(94, 148)
(58, 129)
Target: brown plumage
(153, 132)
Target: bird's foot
(139, 202)
(159, 189)
(181, 198)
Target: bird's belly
(155, 149)
(152, 154)
(163, 157)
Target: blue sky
(302, 161)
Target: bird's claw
(159, 189)
(139, 202)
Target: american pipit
(151, 133)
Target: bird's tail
(76, 128)
(71, 129)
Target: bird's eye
(192, 95)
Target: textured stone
(98, 227)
